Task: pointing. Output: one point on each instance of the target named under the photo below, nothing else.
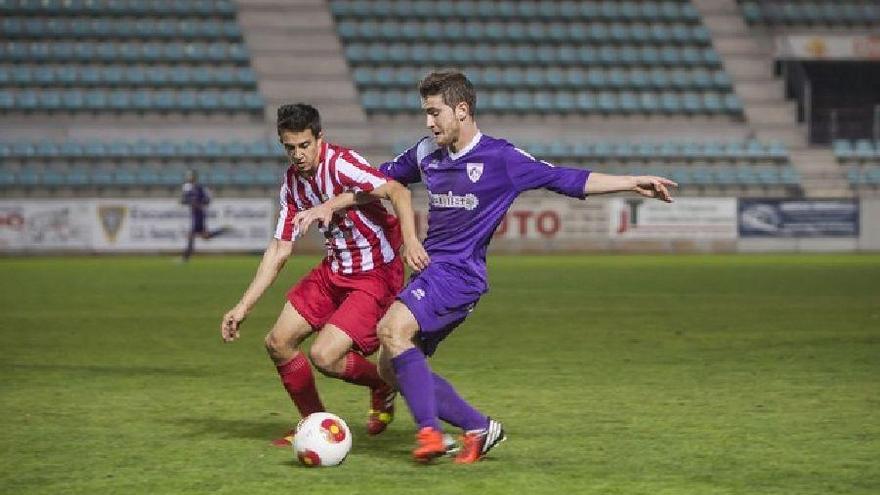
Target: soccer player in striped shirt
(472, 180)
(343, 298)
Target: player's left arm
(413, 252)
(527, 172)
(649, 186)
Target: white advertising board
(163, 225)
(130, 225)
(686, 218)
(45, 225)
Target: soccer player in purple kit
(197, 197)
(472, 180)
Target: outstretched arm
(647, 185)
(323, 213)
(413, 252)
(273, 261)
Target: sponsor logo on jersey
(468, 201)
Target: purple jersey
(196, 196)
(470, 192)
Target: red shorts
(355, 303)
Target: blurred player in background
(472, 180)
(197, 197)
(344, 297)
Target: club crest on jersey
(474, 171)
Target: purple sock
(455, 410)
(417, 386)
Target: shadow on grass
(393, 443)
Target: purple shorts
(440, 297)
(198, 222)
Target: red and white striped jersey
(366, 236)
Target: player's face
(441, 120)
(303, 149)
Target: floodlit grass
(613, 375)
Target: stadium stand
(818, 13)
(861, 162)
(66, 67)
(130, 94)
(539, 57)
(123, 56)
(142, 164)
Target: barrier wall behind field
(535, 223)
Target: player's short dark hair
(452, 85)
(298, 117)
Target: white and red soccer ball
(321, 439)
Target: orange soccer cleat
(430, 445)
(476, 444)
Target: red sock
(296, 375)
(359, 370)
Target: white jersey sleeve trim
(425, 147)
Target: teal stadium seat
(73, 100)
(843, 149)
(94, 100)
(863, 150)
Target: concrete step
(302, 19)
(771, 113)
(272, 41)
(764, 90)
(725, 24)
(286, 65)
(707, 7)
(332, 111)
(747, 68)
(337, 89)
(789, 135)
(279, 6)
(737, 45)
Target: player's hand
(654, 187)
(231, 322)
(414, 255)
(304, 219)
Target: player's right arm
(323, 213)
(274, 258)
(273, 261)
(186, 194)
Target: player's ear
(461, 111)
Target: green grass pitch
(613, 375)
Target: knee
(272, 342)
(386, 332)
(393, 337)
(324, 359)
(276, 345)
